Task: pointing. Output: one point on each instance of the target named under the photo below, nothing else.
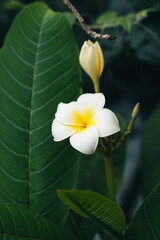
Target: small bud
(136, 111)
(91, 60)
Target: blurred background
(131, 75)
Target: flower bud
(91, 60)
(135, 111)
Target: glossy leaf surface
(146, 224)
(96, 207)
(39, 68)
(17, 222)
(150, 153)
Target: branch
(85, 27)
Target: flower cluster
(86, 120)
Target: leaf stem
(110, 177)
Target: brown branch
(85, 27)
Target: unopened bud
(91, 60)
(136, 111)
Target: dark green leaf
(96, 207)
(39, 68)
(150, 152)
(145, 224)
(17, 222)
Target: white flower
(91, 59)
(84, 122)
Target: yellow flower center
(85, 119)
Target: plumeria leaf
(17, 222)
(39, 68)
(150, 152)
(107, 18)
(92, 205)
(145, 224)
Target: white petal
(89, 43)
(84, 55)
(100, 57)
(106, 122)
(61, 131)
(85, 141)
(92, 101)
(65, 113)
(93, 64)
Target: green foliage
(126, 22)
(19, 222)
(111, 19)
(107, 18)
(145, 224)
(39, 68)
(96, 207)
(150, 152)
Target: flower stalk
(96, 87)
(134, 115)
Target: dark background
(131, 75)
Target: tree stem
(110, 177)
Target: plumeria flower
(91, 59)
(84, 122)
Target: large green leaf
(150, 153)
(17, 222)
(38, 69)
(96, 207)
(146, 222)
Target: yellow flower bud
(91, 60)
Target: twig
(134, 115)
(85, 27)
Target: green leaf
(39, 68)
(150, 152)
(126, 22)
(96, 207)
(19, 222)
(107, 18)
(145, 224)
